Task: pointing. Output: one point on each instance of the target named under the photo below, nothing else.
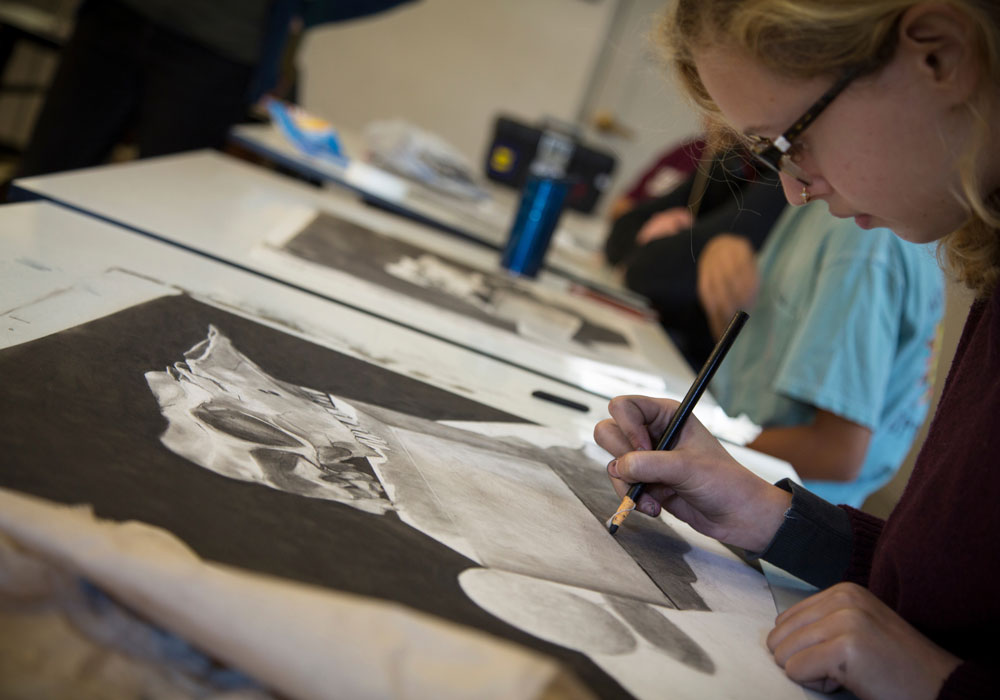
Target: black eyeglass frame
(775, 154)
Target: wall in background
(451, 65)
(634, 108)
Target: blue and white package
(309, 133)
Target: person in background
(670, 169)
(173, 75)
(657, 243)
(886, 110)
(836, 360)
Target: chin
(916, 234)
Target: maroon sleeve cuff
(972, 679)
(866, 530)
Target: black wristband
(814, 541)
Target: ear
(939, 41)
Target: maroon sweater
(936, 560)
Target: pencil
(672, 432)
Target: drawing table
(44, 246)
(146, 380)
(228, 210)
(576, 251)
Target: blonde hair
(810, 38)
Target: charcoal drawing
(656, 629)
(225, 413)
(404, 268)
(549, 611)
(474, 493)
(262, 450)
(82, 425)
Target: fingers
(816, 647)
(842, 595)
(663, 224)
(802, 614)
(816, 668)
(640, 417)
(727, 278)
(609, 435)
(651, 230)
(652, 494)
(714, 298)
(653, 467)
(793, 641)
(628, 431)
(812, 639)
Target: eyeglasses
(777, 155)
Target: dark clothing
(814, 541)
(665, 270)
(173, 74)
(121, 72)
(682, 160)
(230, 28)
(936, 559)
(736, 199)
(947, 524)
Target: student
(835, 361)
(672, 167)
(907, 140)
(174, 75)
(658, 242)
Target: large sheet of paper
(267, 446)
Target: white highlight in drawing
(532, 318)
(228, 415)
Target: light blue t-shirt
(845, 321)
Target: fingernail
(648, 506)
(613, 468)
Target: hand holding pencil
(697, 480)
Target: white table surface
(45, 249)
(228, 209)
(576, 246)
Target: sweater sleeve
(865, 531)
(625, 229)
(973, 679)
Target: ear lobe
(941, 39)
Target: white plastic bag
(407, 150)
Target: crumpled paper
(298, 640)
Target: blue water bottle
(542, 201)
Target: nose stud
(805, 195)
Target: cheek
(865, 172)
(861, 181)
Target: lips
(862, 220)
